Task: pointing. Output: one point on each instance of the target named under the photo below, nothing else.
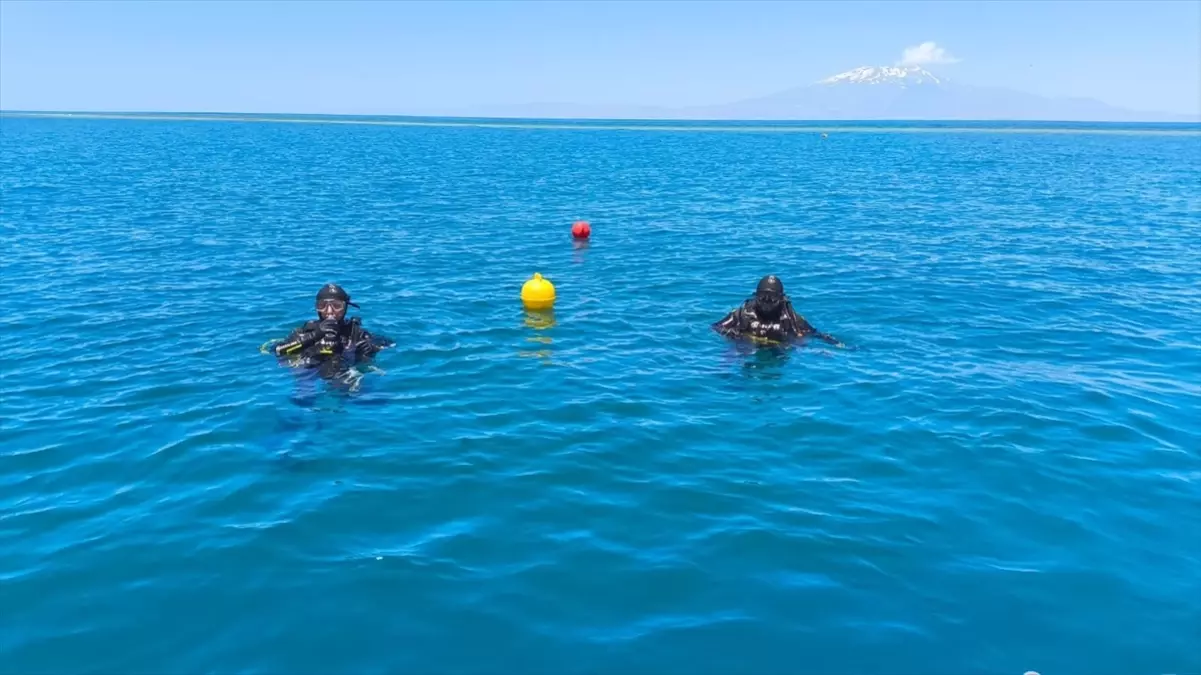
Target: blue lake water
(1001, 473)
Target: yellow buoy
(538, 293)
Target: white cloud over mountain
(927, 53)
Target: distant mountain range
(867, 93)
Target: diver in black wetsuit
(331, 343)
(769, 317)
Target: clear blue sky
(411, 57)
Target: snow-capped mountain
(866, 93)
(909, 75)
(913, 93)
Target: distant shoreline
(681, 125)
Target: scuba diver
(331, 343)
(768, 317)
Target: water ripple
(1001, 474)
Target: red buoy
(581, 229)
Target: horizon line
(647, 124)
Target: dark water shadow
(764, 362)
(317, 394)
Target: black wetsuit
(746, 322)
(321, 343)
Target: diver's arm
(731, 325)
(297, 340)
(804, 328)
(368, 345)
